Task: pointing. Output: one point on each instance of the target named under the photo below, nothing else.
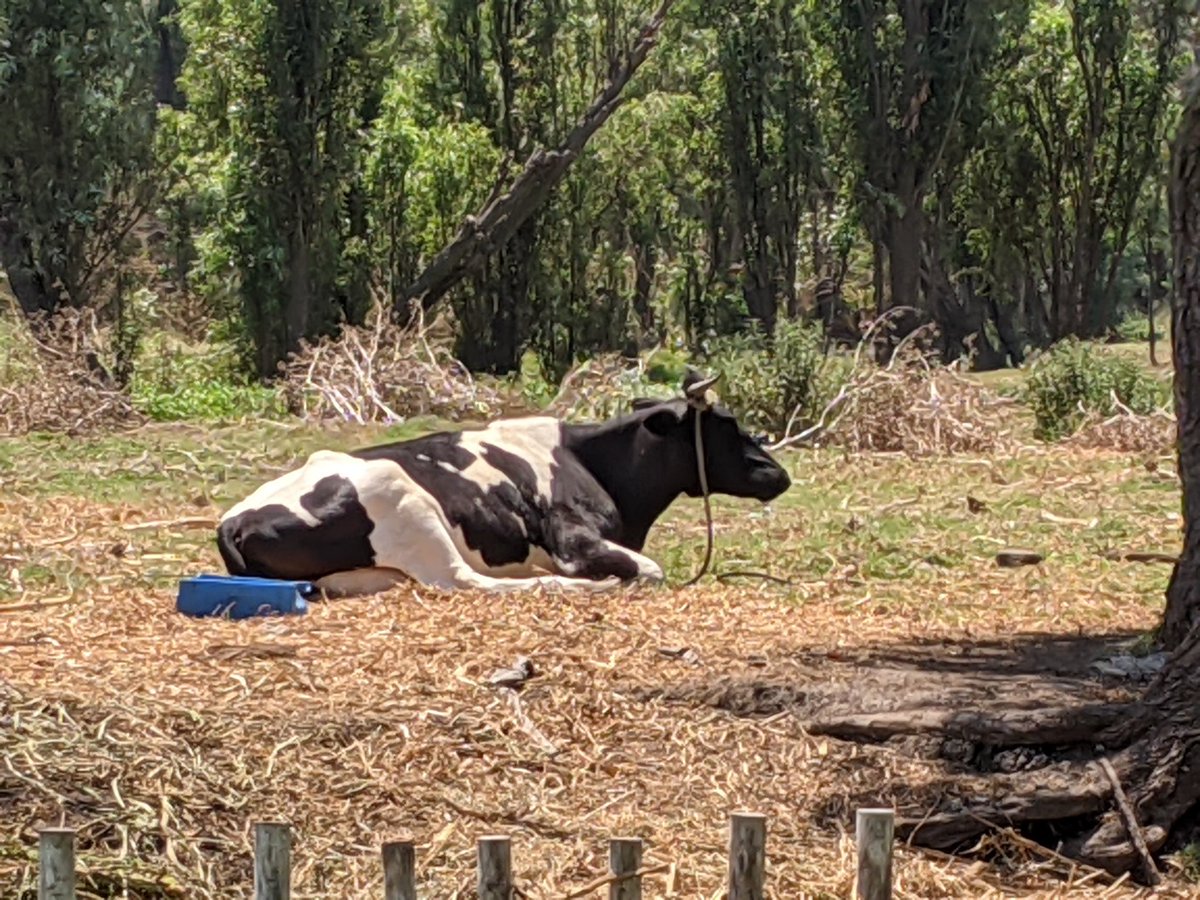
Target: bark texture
(1183, 593)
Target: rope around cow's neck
(708, 520)
(707, 506)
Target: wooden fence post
(625, 858)
(747, 855)
(873, 835)
(272, 861)
(56, 864)
(399, 871)
(494, 867)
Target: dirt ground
(653, 712)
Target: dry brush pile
(51, 380)
(385, 372)
(1128, 432)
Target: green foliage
(277, 97)
(767, 380)
(205, 384)
(534, 387)
(1134, 327)
(1073, 380)
(75, 80)
(1004, 154)
(1188, 859)
(1070, 160)
(666, 366)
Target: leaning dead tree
(491, 228)
(1122, 777)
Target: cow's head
(736, 463)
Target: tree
(76, 87)
(770, 138)
(1129, 774)
(279, 95)
(908, 75)
(1058, 185)
(506, 214)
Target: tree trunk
(1154, 750)
(645, 259)
(27, 284)
(299, 290)
(503, 214)
(171, 50)
(1183, 593)
(905, 236)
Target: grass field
(163, 738)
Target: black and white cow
(519, 503)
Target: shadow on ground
(934, 699)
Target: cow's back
(313, 521)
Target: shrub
(766, 378)
(1073, 381)
(1134, 327)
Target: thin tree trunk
(1183, 592)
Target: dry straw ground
(654, 712)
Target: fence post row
(874, 835)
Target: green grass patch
(174, 382)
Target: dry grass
(603, 387)
(162, 739)
(922, 411)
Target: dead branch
(1149, 870)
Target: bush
(1134, 327)
(173, 383)
(767, 378)
(1073, 381)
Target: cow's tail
(227, 544)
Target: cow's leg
(583, 554)
(359, 582)
(425, 551)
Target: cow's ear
(663, 422)
(640, 403)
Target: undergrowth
(172, 383)
(1072, 381)
(767, 379)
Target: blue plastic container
(242, 598)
